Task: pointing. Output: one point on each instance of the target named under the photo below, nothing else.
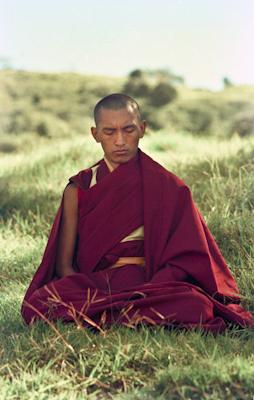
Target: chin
(122, 159)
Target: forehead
(121, 116)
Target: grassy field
(65, 362)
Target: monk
(129, 246)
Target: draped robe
(185, 281)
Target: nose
(119, 140)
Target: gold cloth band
(128, 260)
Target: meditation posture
(128, 244)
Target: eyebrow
(129, 126)
(124, 127)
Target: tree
(136, 73)
(165, 75)
(163, 93)
(227, 82)
(136, 84)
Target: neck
(109, 165)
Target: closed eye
(108, 131)
(129, 128)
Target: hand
(66, 271)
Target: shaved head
(118, 127)
(115, 101)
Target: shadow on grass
(26, 202)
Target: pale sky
(202, 40)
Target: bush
(228, 110)
(227, 83)
(193, 117)
(36, 98)
(19, 121)
(153, 118)
(200, 120)
(49, 126)
(42, 129)
(7, 147)
(163, 93)
(136, 73)
(243, 124)
(136, 88)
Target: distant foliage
(136, 73)
(199, 120)
(49, 126)
(156, 87)
(163, 93)
(136, 84)
(165, 75)
(227, 82)
(194, 117)
(36, 98)
(51, 105)
(152, 117)
(243, 124)
(42, 129)
(228, 109)
(19, 121)
(7, 147)
(136, 87)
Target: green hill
(60, 105)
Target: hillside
(60, 105)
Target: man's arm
(68, 232)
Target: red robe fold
(186, 281)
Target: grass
(122, 363)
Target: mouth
(120, 152)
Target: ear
(95, 134)
(143, 126)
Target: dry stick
(157, 313)
(87, 302)
(103, 318)
(75, 314)
(85, 317)
(124, 312)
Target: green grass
(122, 363)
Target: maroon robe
(185, 282)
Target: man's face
(118, 132)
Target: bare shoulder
(70, 196)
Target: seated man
(128, 244)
